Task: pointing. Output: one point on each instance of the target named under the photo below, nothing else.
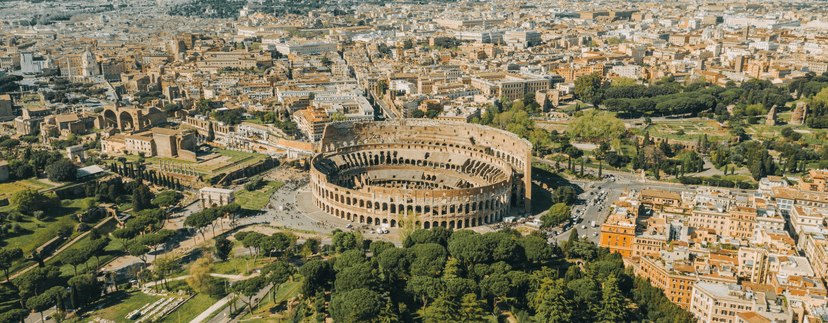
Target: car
(583, 227)
(595, 234)
(348, 226)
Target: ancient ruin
(771, 119)
(442, 173)
(799, 115)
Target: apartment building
(307, 48)
(715, 302)
(676, 279)
(659, 199)
(311, 122)
(512, 86)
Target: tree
(588, 86)
(558, 213)
(62, 171)
(348, 259)
(139, 250)
(30, 200)
(310, 247)
(73, 257)
(277, 273)
(96, 248)
(564, 194)
(249, 287)
(9, 143)
(595, 125)
(444, 309)
(471, 309)
(613, 306)
(17, 315)
(86, 289)
(356, 277)
(39, 304)
(536, 249)
(359, 305)
(200, 279)
(167, 198)
(58, 294)
(164, 265)
(223, 248)
(141, 198)
(343, 241)
(425, 288)
(317, 274)
(382, 85)
(553, 302)
(417, 114)
(198, 221)
(7, 257)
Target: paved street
(36, 318)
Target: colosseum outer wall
(499, 161)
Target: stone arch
(110, 119)
(126, 121)
(426, 225)
(393, 223)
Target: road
(36, 318)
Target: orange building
(618, 234)
(676, 283)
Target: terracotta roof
(752, 317)
(660, 194)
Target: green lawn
(257, 199)
(113, 249)
(118, 305)
(35, 233)
(8, 189)
(239, 266)
(192, 308)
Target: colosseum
(422, 172)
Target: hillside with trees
(463, 276)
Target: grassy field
(113, 249)
(35, 232)
(692, 130)
(189, 310)
(8, 189)
(239, 266)
(257, 199)
(116, 306)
